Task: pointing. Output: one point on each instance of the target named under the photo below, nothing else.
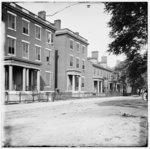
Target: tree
(131, 72)
(129, 26)
(129, 33)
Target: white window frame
(40, 52)
(50, 74)
(70, 61)
(46, 36)
(84, 49)
(10, 13)
(82, 64)
(40, 31)
(76, 62)
(84, 81)
(8, 36)
(70, 44)
(23, 41)
(50, 61)
(23, 19)
(78, 50)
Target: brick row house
(29, 50)
(39, 55)
(71, 53)
(101, 79)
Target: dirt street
(113, 121)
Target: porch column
(10, 78)
(79, 83)
(101, 87)
(67, 82)
(38, 80)
(27, 72)
(98, 86)
(24, 80)
(73, 82)
(32, 80)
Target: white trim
(48, 30)
(14, 38)
(76, 62)
(73, 60)
(40, 53)
(10, 63)
(25, 34)
(48, 71)
(11, 13)
(71, 55)
(40, 31)
(23, 41)
(12, 4)
(26, 20)
(48, 49)
(38, 25)
(25, 11)
(84, 49)
(50, 60)
(23, 19)
(78, 51)
(51, 36)
(37, 45)
(81, 81)
(11, 37)
(73, 44)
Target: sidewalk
(27, 106)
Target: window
(48, 56)
(25, 47)
(94, 72)
(71, 60)
(49, 37)
(11, 45)
(25, 26)
(77, 62)
(71, 44)
(48, 80)
(38, 53)
(78, 47)
(83, 49)
(37, 32)
(83, 64)
(82, 82)
(11, 20)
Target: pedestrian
(139, 92)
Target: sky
(91, 23)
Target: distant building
(101, 78)
(28, 49)
(71, 60)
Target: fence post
(7, 97)
(33, 95)
(19, 97)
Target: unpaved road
(114, 121)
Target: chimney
(104, 59)
(57, 24)
(95, 55)
(42, 14)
